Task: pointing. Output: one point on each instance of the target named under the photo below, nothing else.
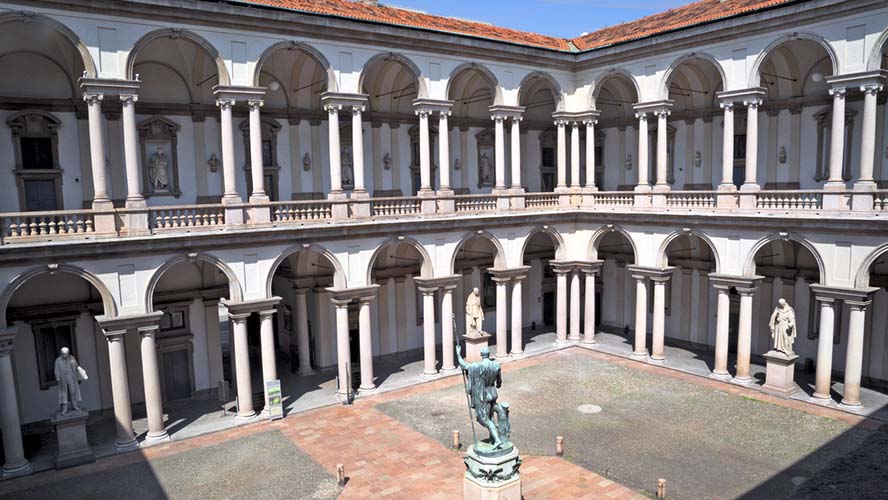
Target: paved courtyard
(625, 425)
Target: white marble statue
(485, 170)
(783, 327)
(474, 313)
(348, 169)
(68, 374)
(157, 171)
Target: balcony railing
(27, 227)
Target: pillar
(425, 172)
(589, 330)
(662, 158)
(640, 349)
(502, 317)
(516, 153)
(97, 151)
(500, 151)
(659, 326)
(590, 154)
(343, 348)
(574, 305)
(151, 382)
(562, 155)
(854, 353)
(727, 182)
(751, 181)
(447, 320)
(242, 366)
(302, 340)
(227, 133)
(358, 150)
(837, 140)
(14, 452)
(643, 185)
(257, 167)
(269, 363)
(428, 331)
(366, 343)
(334, 149)
(722, 332)
(744, 335)
(575, 155)
(561, 306)
(868, 137)
(823, 375)
(123, 414)
(134, 198)
(517, 321)
(444, 150)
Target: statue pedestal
(474, 342)
(780, 373)
(492, 475)
(70, 430)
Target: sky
(561, 18)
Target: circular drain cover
(589, 409)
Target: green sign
(275, 403)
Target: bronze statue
(482, 378)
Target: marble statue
(348, 169)
(783, 327)
(474, 313)
(68, 374)
(485, 169)
(157, 171)
(482, 378)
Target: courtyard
(625, 425)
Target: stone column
(228, 170)
(343, 347)
(837, 140)
(823, 376)
(101, 200)
(134, 198)
(447, 319)
(366, 343)
(444, 151)
(562, 155)
(574, 305)
(751, 181)
(590, 154)
(242, 366)
(865, 180)
(589, 330)
(502, 318)
(425, 168)
(428, 330)
(561, 305)
(662, 158)
(123, 414)
(15, 463)
(854, 352)
(744, 335)
(269, 363)
(722, 331)
(257, 167)
(500, 151)
(659, 326)
(151, 381)
(302, 339)
(517, 321)
(516, 152)
(575, 155)
(643, 185)
(640, 316)
(358, 150)
(335, 149)
(727, 183)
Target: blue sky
(562, 18)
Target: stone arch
(499, 260)
(427, 269)
(557, 239)
(749, 262)
(421, 87)
(340, 280)
(754, 79)
(553, 84)
(332, 84)
(141, 43)
(234, 286)
(663, 87)
(604, 76)
(89, 64)
(497, 88)
(663, 260)
(861, 280)
(875, 59)
(592, 249)
(110, 307)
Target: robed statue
(482, 378)
(157, 171)
(474, 313)
(68, 374)
(783, 327)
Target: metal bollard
(661, 489)
(559, 446)
(455, 443)
(340, 474)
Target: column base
(125, 446)
(851, 407)
(503, 359)
(517, 354)
(160, 437)
(234, 211)
(449, 370)
(562, 342)
(367, 389)
(640, 356)
(245, 416)
(359, 194)
(573, 338)
(426, 374)
(661, 188)
(822, 400)
(724, 377)
(862, 196)
(727, 196)
(657, 359)
(22, 468)
(446, 203)
(428, 205)
(305, 373)
(750, 188)
(591, 341)
(834, 196)
(745, 381)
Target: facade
(669, 177)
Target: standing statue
(348, 169)
(783, 327)
(481, 382)
(157, 171)
(68, 374)
(484, 170)
(474, 313)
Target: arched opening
(473, 260)
(614, 96)
(392, 83)
(540, 290)
(875, 358)
(691, 160)
(798, 116)
(690, 300)
(616, 294)
(473, 90)
(540, 100)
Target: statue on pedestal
(474, 313)
(783, 327)
(157, 171)
(68, 374)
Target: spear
(465, 386)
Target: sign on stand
(275, 404)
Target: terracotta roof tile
(682, 17)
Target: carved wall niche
(486, 158)
(270, 166)
(346, 156)
(160, 159)
(824, 137)
(38, 174)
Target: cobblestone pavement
(708, 439)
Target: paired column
(659, 327)
(343, 347)
(823, 375)
(500, 151)
(574, 305)
(444, 151)
(751, 181)
(123, 414)
(854, 352)
(837, 140)
(662, 184)
(134, 198)
(561, 304)
(358, 150)
(425, 169)
(302, 339)
(101, 200)
(335, 150)
(517, 320)
(561, 183)
(722, 330)
(589, 327)
(269, 363)
(242, 366)
(257, 167)
(502, 317)
(590, 123)
(643, 184)
(744, 333)
(727, 182)
(516, 152)
(15, 463)
(428, 329)
(447, 334)
(575, 155)
(366, 342)
(228, 170)
(640, 349)
(151, 381)
(865, 181)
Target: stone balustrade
(794, 200)
(395, 206)
(186, 216)
(301, 211)
(541, 200)
(880, 201)
(473, 203)
(691, 199)
(24, 225)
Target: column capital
(663, 106)
(357, 109)
(430, 106)
(225, 103)
(93, 98)
(838, 92)
(563, 118)
(238, 93)
(505, 275)
(128, 99)
(7, 340)
(347, 295)
(108, 86)
(824, 293)
(255, 104)
(118, 325)
(506, 112)
(860, 80)
(741, 95)
(654, 273)
(250, 306)
(872, 88)
(439, 282)
(728, 281)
